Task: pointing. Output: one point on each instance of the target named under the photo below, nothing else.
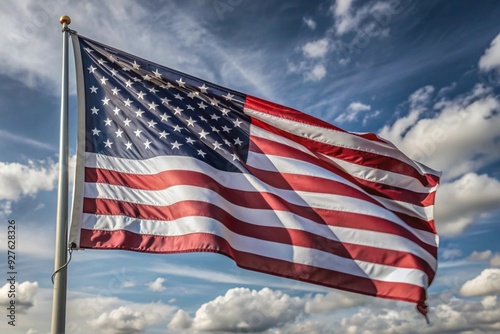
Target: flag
(170, 163)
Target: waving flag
(170, 163)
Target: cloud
(156, 285)
(181, 320)
(124, 320)
(495, 260)
(479, 256)
(322, 303)
(242, 309)
(461, 202)
(353, 111)
(24, 295)
(491, 58)
(128, 284)
(316, 49)
(310, 23)
(487, 283)
(317, 73)
(450, 252)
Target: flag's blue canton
(136, 109)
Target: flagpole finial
(65, 19)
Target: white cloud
(322, 303)
(353, 111)
(480, 256)
(310, 23)
(495, 260)
(19, 180)
(489, 302)
(487, 283)
(450, 252)
(156, 285)
(491, 57)
(124, 320)
(24, 292)
(32, 331)
(180, 321)
(317, 73)
(128, 284)
(461, 136)
(461, 202)
(316, 49)
(241, 309)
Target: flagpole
(60, 277)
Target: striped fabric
(288, 194)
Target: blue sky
(423, 74)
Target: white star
(93, 89)
(118, 133)
(203, 134)
(125, 69)
(116, 111)
(192, 94)
(108, 143)
(177, 111)
(152, 105)
(114, 72)
(139, 113)
(237, 141)
(235, 157)
(152, 124)
(91, 69)
(217, 145)
(136, 79)
(224, 111)
(147, 77)
(214, 129)
(140, 95)
(226, 129)
(229, 97)
(101, 61)
(202, 105)
(214, 117)
(95, 132)
(203, 119)
(178, 97)
(191, 121)
(177, 128)
(127, 122)
(190, 107)
(137, 133)
(165, 100)
(89, 50)
(135, 65)
(94, 110)
(128, 145)
(165, 117)
(128, 83)
(157, 74)
(180, 82)
(176, 145)
(127, 102)
(227, 142)
(237, 123)
(190, 140)
(200, 152)
(103, 80)
(163, 134)
(115, 91)
(105, 101)
(146, 144)
(153, 90)
(112, 59)
(203, 88)
(214, 102)
(107, 122)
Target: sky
(422, 74)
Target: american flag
(171, 163)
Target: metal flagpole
(60, 270)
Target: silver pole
(60, 279)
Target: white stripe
(261, 217)
(337, 138)
(239, 181)
(426, 213)
(285, 252)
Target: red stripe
(201, 242)
(265, 146)
(254, 200)
(358, 157)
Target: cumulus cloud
(317, 73)
(156, 285)
(321, 303)
(480, 256)
(316, 49)
(123, 320)
(487, 283)
(353, 111)
(242, 309)
(24, 295)
(459, 203)
(495, 260)
(310, 23)
(491, 57)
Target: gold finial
(65, 19)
